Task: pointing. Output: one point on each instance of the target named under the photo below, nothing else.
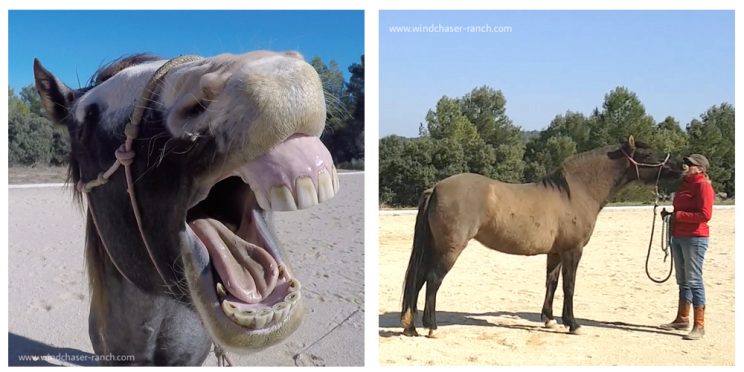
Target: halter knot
(124, 156)
(86, 187)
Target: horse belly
(515, 236)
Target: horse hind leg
(409, 314)
(551, 283)
(434, 279)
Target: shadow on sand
(445, 318)
(23, 351)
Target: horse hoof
(576, 331)
(552, 323)
(432, 334)
(410, 333)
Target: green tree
(410, 166)
(344, 130)
(30, 97)
(493, 145)
(448, 121)
(669, 137)
(485, 107)
(713, 136)
(544, 157)
(29, 139)
(622, 115)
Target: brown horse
(555, 216)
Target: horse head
(646, 164)
(221, 142)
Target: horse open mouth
(251, 281)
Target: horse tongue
(247, 271)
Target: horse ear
(631, 142)
(55, 96)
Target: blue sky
(73, 44)
(679, 63)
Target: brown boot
(682, 321)
(698, 329)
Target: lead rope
(665, 235)
(222, 359)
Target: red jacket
(693, 206)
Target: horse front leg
(551, 283)
(570, 263)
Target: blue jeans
(689, 254)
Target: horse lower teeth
(280, 311)
(245, 318)
(228, 308)
(263, 318)
(292, 298)
(258, 319)
(221, 293)
(294, 285)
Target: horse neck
(598, 175)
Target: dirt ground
(488, 307)
(48, 297)
(38, 174)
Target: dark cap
(699, 160)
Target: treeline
(34, 140)
(473, 134)
(344, 131)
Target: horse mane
(107, 71)
(582, 164)
(557, 179)
(95, 258)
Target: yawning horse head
(179, 251)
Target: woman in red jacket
(693, 207)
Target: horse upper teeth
(282, 199)
(306, 194)
(325, 186)
(264, 317)
(335, 180)
(262, 201)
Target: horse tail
(414, 274)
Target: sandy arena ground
(488, 307)
(48, 290)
